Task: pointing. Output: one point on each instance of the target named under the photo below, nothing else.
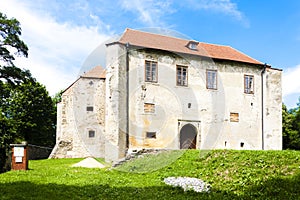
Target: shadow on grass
(277, 188)
(28, 190)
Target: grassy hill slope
(232, 175)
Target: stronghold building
(162, 92)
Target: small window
(249, 84)
(91, 134)
(182, 75)
(151, 135)
(149, 108)
(211, 79)
(150, 71)
(89, 108)
(193, 45)
(234, 117)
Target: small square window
(151, 135)
(149, 108)
(234, 117)
(211, 79)
(91, 134)
(182, 75)
(249, 84)
(89, 108)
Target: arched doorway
(188, 137)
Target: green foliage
(57, 97)
(291, 127)
(10, 77)
(27, 113)
(33, 113)
(10, 31)
(26, 110)
(232, 175)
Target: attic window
(192, 45)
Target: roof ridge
(96, 72)
(243, 53)
(170, 36)
(221, 45)
(162, 35)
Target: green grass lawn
(232, 175)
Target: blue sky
(62, 34)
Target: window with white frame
(211, 79)
(150, 71)
(249, 84)
(182, 75)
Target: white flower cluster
(188, 183)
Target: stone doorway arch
(188, 137)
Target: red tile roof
(177, 45)
(96, 72)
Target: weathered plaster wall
(273, 110)
(211, 107)
(207, 110)
(116, 103)
(75, 122)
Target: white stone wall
(211, 107)
(75, 122)
(116, 103)
(273, 110)
(119, 107)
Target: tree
(291, 127)
(10, 31)
(33, 113)
(27, 112)
(10, 45)
(57, 97)
(295, 138)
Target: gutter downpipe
(262, 106)
(127, 95)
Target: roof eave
(192, 54)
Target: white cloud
(149, 12)
(56, 50)
(220, 6)
(290, 82)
